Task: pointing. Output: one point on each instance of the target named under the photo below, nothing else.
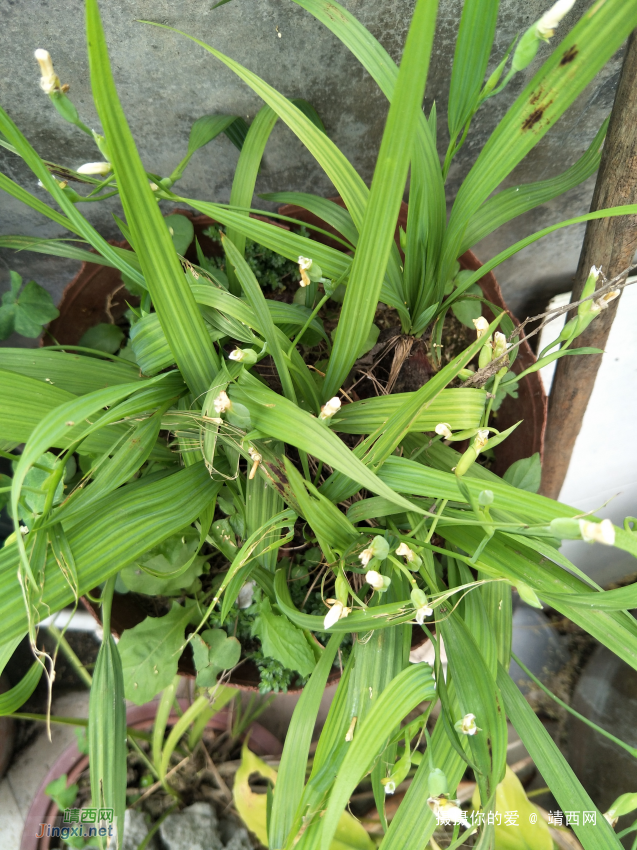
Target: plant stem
(71, 657)
(310, 319)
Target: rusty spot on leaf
(570, 54)
(533, 118)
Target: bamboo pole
(610, 243)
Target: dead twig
(483, 375)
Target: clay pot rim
(73, 763)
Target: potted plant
(409, 530)
(180, 754)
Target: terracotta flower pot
(73, 763)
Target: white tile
(604, 462)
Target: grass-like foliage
(235, 434)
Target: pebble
(135, 830)
(195, 828)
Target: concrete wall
(165, 83)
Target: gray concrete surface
(166, 83)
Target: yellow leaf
(251, 806)
(524, 835)
(350, 834)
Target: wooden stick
(611, 244)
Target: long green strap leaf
(379, 223)
(13, 699)
(73, 220)
(411, 687)
(291, 774)
(279, 418)
(178, 313)
(245, 177)
(102, 545)
(628, 209)
(256, 299)
(107, 734)
(473, 46)
(564, 75)
(333, 214)
(516, 200)
(554, 769)
(460, 408)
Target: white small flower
(423, 612)
(237, 354)
(153, 186)
(467, 726)
(374, 579)
(305, 264)
(595, 272)
(499, 344)
(24, 529)
(222, 403)
(447, 811)
(49, 81)
(481, 439)
(444, 430)
(405, 552)
(481, 326)
(244, 599)
(611, 820)
(598, 532)
(550, 20)
(390, 787)
(330, 408)
(603, 301)
(95, 168)
(365, 556)
(336, 613)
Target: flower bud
(481, 440)
(378, 550)
(49, 82)
(465, 374)
(377, 581)
(550, 20)
(499, 345)
(580, 529)
(437, 784)
(485, 498)
(330, 408)
(247, 356)
(481, 326)
(99, 168)
(419, 598)
(467, 726)
(341, 589)
(413, 560)
(444, 430)
(337, 612)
